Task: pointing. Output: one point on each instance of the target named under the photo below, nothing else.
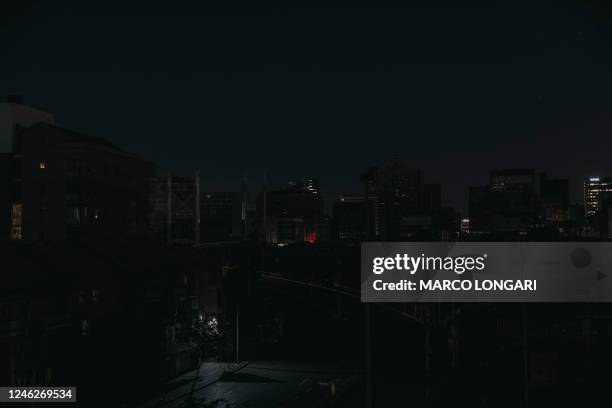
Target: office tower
(174, 209)
(290, 203)
(398, 189)
(310, 185)
(513, 200)
(596, 190)
(553, 200)
(350, 218)
(220, 216)
(597, 200)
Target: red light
(310, 237)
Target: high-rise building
(350, 218)
(290, 203)
(174, 206)
(310, 185)
(513, 200)
(597, 202)
(553, 200)
(220, 216)
(398, 191)
(596, 190)
(64, 182)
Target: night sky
(325, 93)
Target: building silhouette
(310, 185)
(174, 209)
(350, 218)
(220, 216)
(553, 201)
(295, 211)
(402, 203)
(15, 116)
(513, 200)
(598, 206)
(63, 182)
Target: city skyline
(521, 86)
(206, 205)
(61, 182)
(255, 183)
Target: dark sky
(326, 92)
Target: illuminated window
(16, 221)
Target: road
(270, 384)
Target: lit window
(16, 221)
(42, 165)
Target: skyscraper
(513, 200)
(397, 189)
(597, 205)
(174, 207)
(596, 190)
(311, 185)
(553, 200)
(220, 216)
(349, 218)
(291, 203)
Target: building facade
(513, 200)
(403, 203)
(174, 204)
(64, 182)
(350, 218)
(597, 203)
(596, 190)
(220, 217)
(275, 207)
(553, 201)
(15, 116)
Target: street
(265, 384)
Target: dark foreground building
(62, 182)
